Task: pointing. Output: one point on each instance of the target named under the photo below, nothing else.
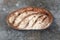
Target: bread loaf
(30, 18)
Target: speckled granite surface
(52, 33)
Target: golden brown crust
(34, 9)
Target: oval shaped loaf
(30, 18)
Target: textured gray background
(52, 33)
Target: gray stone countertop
(7, 33)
